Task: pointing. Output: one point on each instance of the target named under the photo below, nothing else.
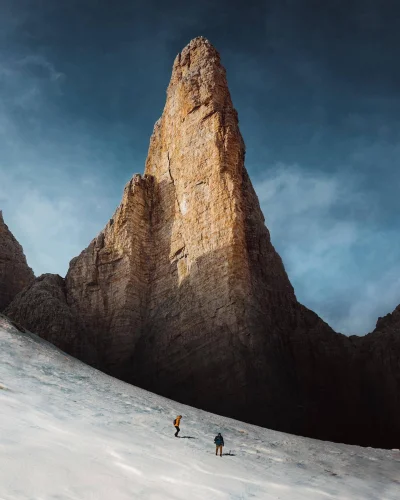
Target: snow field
(68, 431)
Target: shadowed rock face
(42, 308)
(15, 274)
(183, 293)
(377, 369)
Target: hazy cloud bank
(326, 231)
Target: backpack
(175, 421)
(218, 440)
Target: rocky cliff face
(221, 312)
(183, 293)
(377, 369)
(15, 274)
(42, 308)
(208, 232)
(107, 285)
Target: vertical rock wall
(107, 285)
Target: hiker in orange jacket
(177, 421)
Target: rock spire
(183, 293)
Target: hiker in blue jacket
(219, 443)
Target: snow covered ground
(68, 431)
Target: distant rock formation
(389, 324)
(183, 293)
(15, 274)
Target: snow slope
(68, 431)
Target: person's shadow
(228, 455)
(187, 437)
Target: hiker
(219, 443)
(177, 421)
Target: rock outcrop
(15, 274)
(183, 293)
(376, 367)
(42, 308)
(221, 310)
(107, 285)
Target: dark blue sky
(317, 88)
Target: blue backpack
(218, 440)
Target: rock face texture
(107, 285)
(221, 311)
(183, 293)
(42, 308)
(15, 274)
(377, 370)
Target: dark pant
(177, 431)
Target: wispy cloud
(53, 220)
(376, 298)
(53, 197)
(37, 62)
(26, 81)
(324, 227)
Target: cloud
(40, 67)
(377, 298)
(325, 228)
(26, 83)
(52, 176)
(301, 209)
(54, 221)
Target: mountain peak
(197, 51)
(184, 294)
(198, 114)
(199, 41)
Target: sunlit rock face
(15, 274)
(183, 293)
(208, 235)
(107, 285)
